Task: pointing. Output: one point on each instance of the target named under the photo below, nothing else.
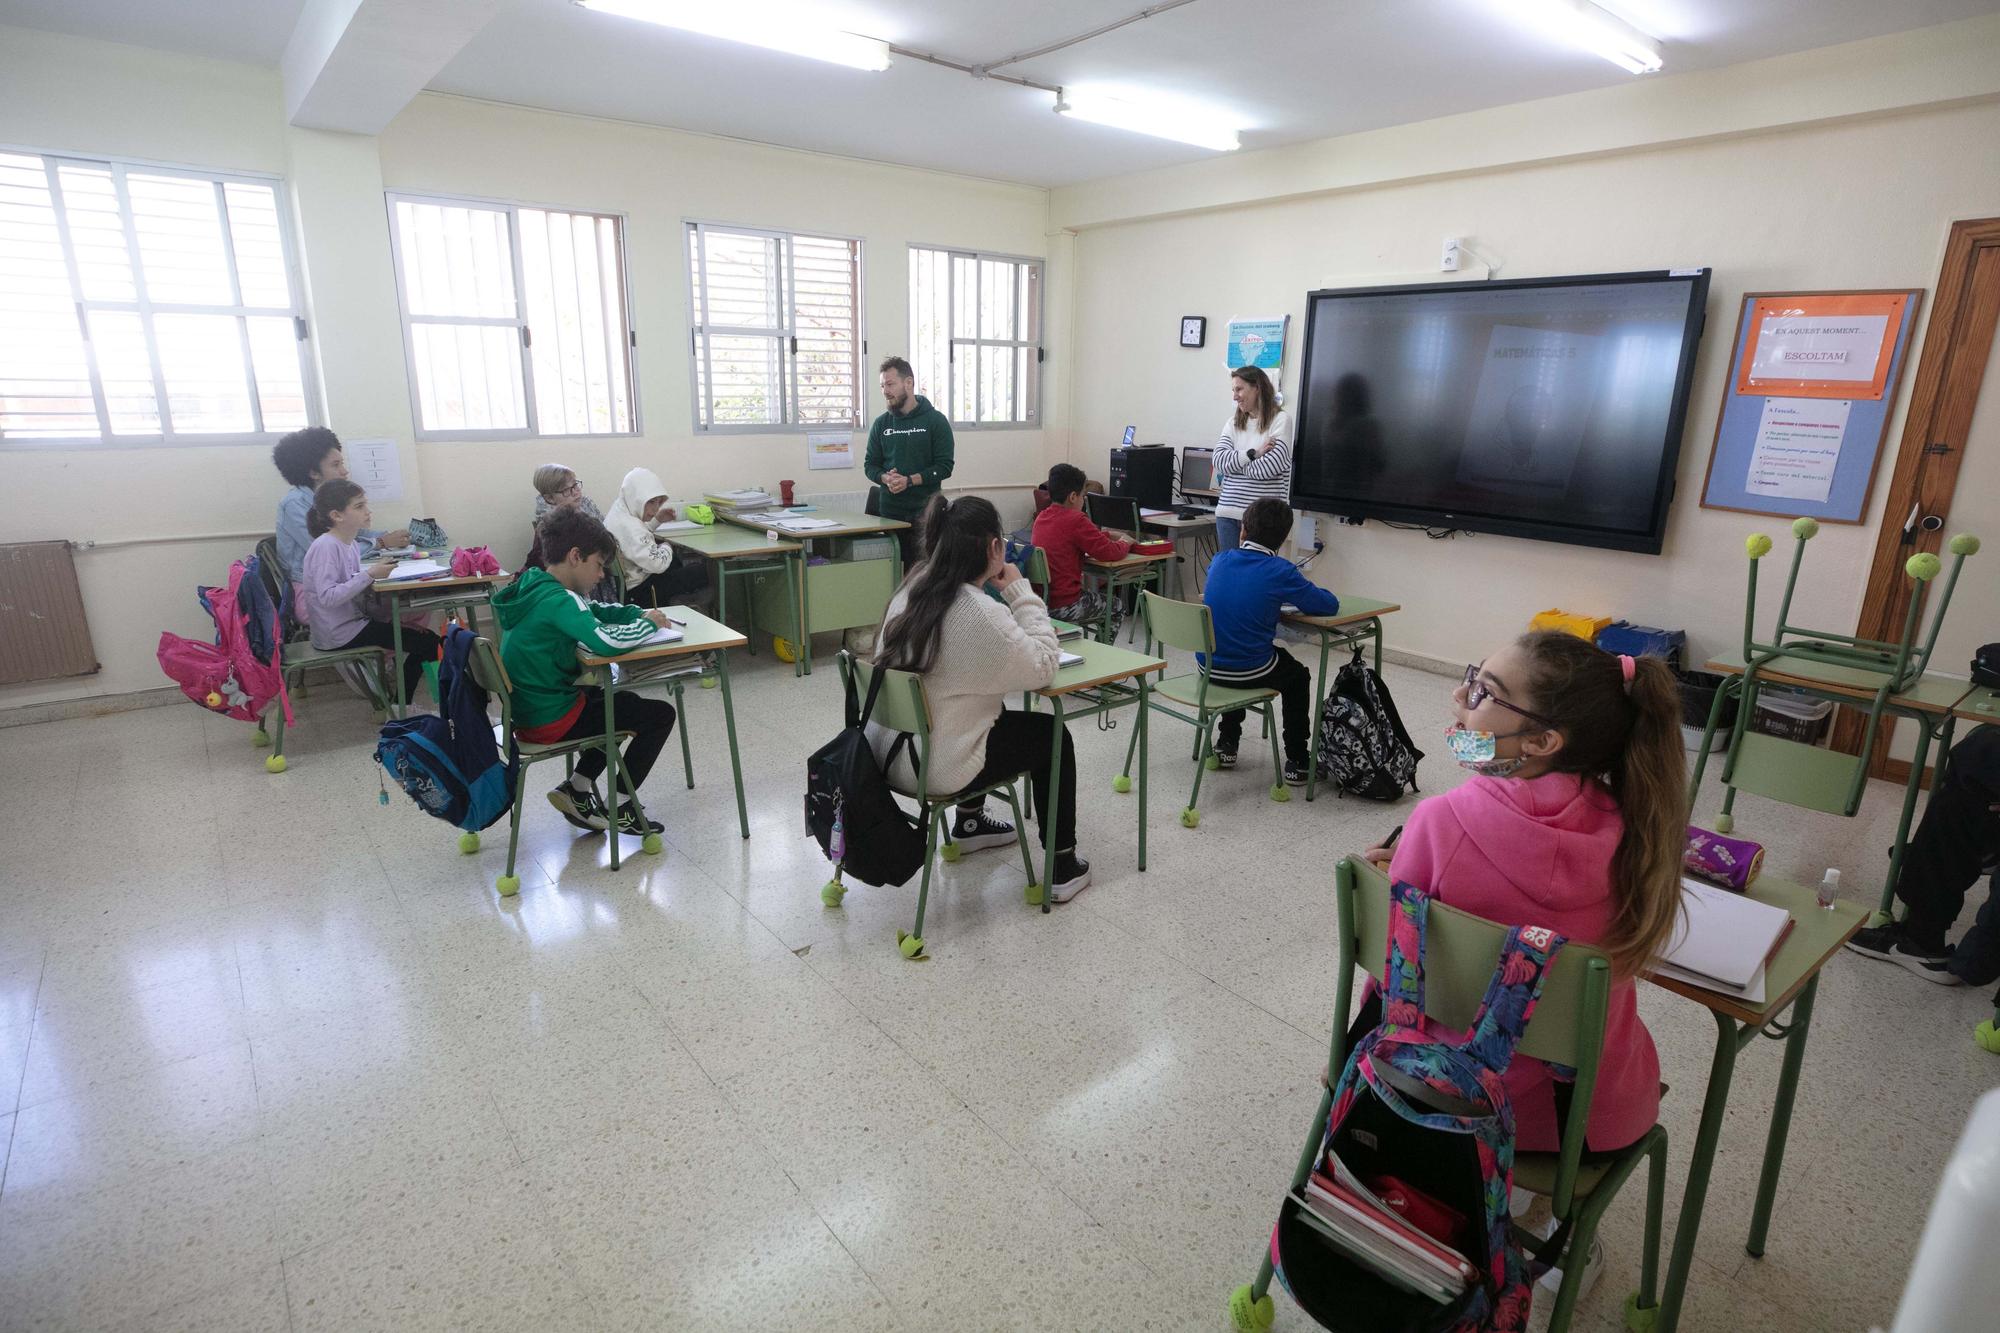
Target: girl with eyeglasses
(1575, 818)
(557, 487)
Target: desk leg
(1886, 909)
(1319, 702)
(729, 722)
(795, 578)
(1781, 1116)
(1700, 1163)
(396, 662)
(805, 597)
(611, 766)
(1376, 629)
(1055, 795)
(1145, 707)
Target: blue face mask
(1478, 752)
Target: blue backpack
(450, 764)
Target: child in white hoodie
(652, 575)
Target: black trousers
(419, 646)
(1024, 741)
(651, 722)
(1293, 682)
(1958, 838)
(671, 586)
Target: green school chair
(1792, 771)
(296, 655)
(491, 674)
(1189, 627)
(1567, 1029)
(903, 706)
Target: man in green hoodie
(547, 616)
(909, 451)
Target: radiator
(43, 635)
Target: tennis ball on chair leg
(1987, 1037)
(1121, 784)
(275, 764)
(468, 842)
(509, 885)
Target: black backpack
(850, 808)
(1363, 748)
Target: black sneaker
(1892, 944)
(584, 809)
(1224, 758)
(1072, 877)
(630, 822)
(1295, 772)
(975, 832)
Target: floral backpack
(1420, 1116)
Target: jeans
(1228, 533)
(651, 722)
(1022, 742)
(1958, 838)
(1293, 682)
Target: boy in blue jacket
(1247, 586)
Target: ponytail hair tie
(1626, 666)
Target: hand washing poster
(1821, 346)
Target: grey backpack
(1364, 749)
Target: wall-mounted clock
(1194, 330)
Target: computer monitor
(1118, 512)
(1197, 469)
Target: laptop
(1117, 512)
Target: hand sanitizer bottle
(1829, 889)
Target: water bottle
(1829, 889)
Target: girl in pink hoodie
(1576, 820)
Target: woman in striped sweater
(1253, 460)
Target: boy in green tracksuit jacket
(910, 450)
(547, 616)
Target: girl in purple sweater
(338, 590)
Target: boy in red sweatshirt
(1066, 536)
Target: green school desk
(1930, 703)
(1134, 571)
(1791, 980)
(1358, 621)
(1107, 678)
(738, 553)
(699, 634)
(408, 597)
(843, 593)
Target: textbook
(1344, 1187)
(1065, 630)
(664, 634)
(750, 498)
(1069, 660)
(1723, 941)
(1373, 1253)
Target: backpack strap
(859, 713)
(1512, 994)
(1403, 978)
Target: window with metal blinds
(144, 304)
(775, 322)
(976, 333)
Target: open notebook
(1723, 941)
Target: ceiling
(1283, 70)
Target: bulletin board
(1812, 381)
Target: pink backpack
(227, 676)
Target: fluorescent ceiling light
(755, 25)
(1179, 122)
(1594, 28)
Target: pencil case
(1152, 548)
(1732, 863)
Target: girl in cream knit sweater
(973, 653)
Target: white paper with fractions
(376, 467)
(833, 449)
(1798, 448)
(1818, 347)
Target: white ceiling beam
(352, 65)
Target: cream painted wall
(1855, 204)
(82, 96)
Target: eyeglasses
(574, 488)
(1477, 694)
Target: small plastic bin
(1670, 645)
(1584, 627)
(1791, 716)
(1697, 697)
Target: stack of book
(740, 502)
(1358, 1223)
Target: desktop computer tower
(1144, 472)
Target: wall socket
(1306, 533)
(1448, 261)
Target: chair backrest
(1184, 625)
(271, 573)
(491, 674)
(1037, 571)
(902, 705)
(1460, 953)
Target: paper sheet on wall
(834, 449)
(375, 466)
(1798, 448)
(1820, 347)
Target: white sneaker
(1542, 1297)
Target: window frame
(519, 322)
(692, 231)
(1031, 397)
(145, 307)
